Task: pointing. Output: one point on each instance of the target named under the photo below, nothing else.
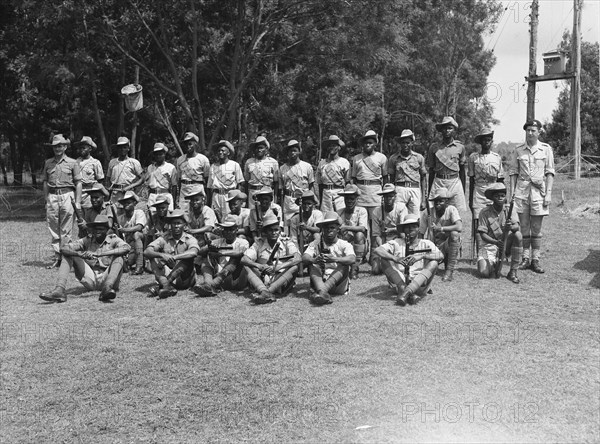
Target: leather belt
(408, 184)
(289, 193)
(220, 191)
(331, 187)
(447, 176)
(60, 190)
(191, 182)
(368, 182)
(118, 187)
(87, 186)
(158, 191)
(255, 187)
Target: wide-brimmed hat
(260, 140)
(59, 139)
(388, 188)
(483, 133)
(99, 220)
(200, 192)
(533, 122)
(328, 218)
(495, 188)
(235, 194)
(445, 121)
(269, 220)
(441, 193)
(129, 195)
(308, 194)
(293, 142)
(369, 135)
(349, 190)
(264, 191)
(190, 136)
(333, 140)
(122, 141)
(97, 188)
(160, 199)
(229, 222)
(158, 146)
(409, 219)
(226, 144)
(407, 134)
(176, 214)
(87, 140)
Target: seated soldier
(97, 195)
(492, 220)
(172, 258)
(412, 271)
(236, 200)
(384, 222)
(157, 218)
(446, 226)
(97, 260)
(271, 262)
(306, 219)
(221, 261)
(265, 206)
(130, 227)
(201, 218)
(354, 227)
(330, 260)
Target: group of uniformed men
(218, 227)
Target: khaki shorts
(532, 208)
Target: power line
(502, 29)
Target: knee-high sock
(422, 280)
(182, 269)
(63, 272)
(115, 270)
(453, 247)
(359, 250)
(138, 246)
(283, 279)
(255, 280)
(334, 279)
(536, 247)
(526, 245)
(516, 253)
(228, 269)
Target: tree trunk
(97, 116)
(195, 93)
(19, 164)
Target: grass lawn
(477, 361)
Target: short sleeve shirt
(242, 219)
(333, 172)
(492, 223)
(397, 247)
(485, 168)
(261, 171)
(260, 251)
(531, 165)
(446, 159)
(315, 217)
(91, 170)
(62, 173)
(194, 168)
(225, 176)
(274, 210)
(206, 218)
(169, 245)
(358, 218)
(89, 243)
(392, 218)
(296, 177)
(450, 217)
(162, 176)
(137, 218)
(124, 172)
(239, 245)
(340, 248)
(407, 169)
(372, 167)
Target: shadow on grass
(591, 264)
(39, 264)
(146, 287)
(381, 293)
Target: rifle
(473, 239)
(408, 252)
(383, 234)
(429, 232)
(300, 230)
(116, 225)
(77, 211)
(272, 255)
(501, 253)
(322, 251)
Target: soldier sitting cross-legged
(271, 263)
(410, 273)
(172, 258)
(221, 261)
(97, 260)
(330, 260)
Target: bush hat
(260, 140)
(160, 199)
(533, 122)
(445, 121)
(226, 144)
(497, 187)
(483, 133)
(200, 192)
(190, 136)
(130, 195)
(388, 188)
(87, 140)
(59, 139)
(409, 219)
(177, 214)
(441, 193)
(269, 220)
(407, 134)
(349, 190)
(264, 191)
(235, 194)
(333, 140)
(369, 135)
(122, 141)
(328, 218)
(97, 188)
(99, 220)
(229, 222)
(158, 146)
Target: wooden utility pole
(134, 152)
(533, 26)
(576, 89)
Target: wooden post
(575, 140)
(134, 152)
(533, 25)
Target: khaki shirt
(407, 169)
(163, 176)
(492, 223)
(261, 171)
(124, 172)
(340, 248)
(296, 177)
(358, 218)
(111, 242)
(392, 218)
(446, 159)
(333, 172)
(239, 245)
(450, 217)
(225, 177)
(169, 245)
(195, 168)
(260, 251)
(65, 172)
(91, 170)
(531, 165)
(397, 247)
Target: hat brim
(239, 196)
(231, 225)
(490, 193)
(98, 224)
(383, 193)
(348, 193)
(257, 195)
(94, 146)
(478, 137)
(155, 204)
(363, 138)
(328, 221)
(128, 198)
(438, 197)
(103, 192)
(329, 143)
(439, 126)
(194, 195)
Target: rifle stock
(116, 224)
(408, 251)
(501, 253)
(300, 237)
(77, 211)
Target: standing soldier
(531, 171)
(294, 175)
(446, 162)
(192, 169)
(225, 175)
(332, 175)
(91, 169)
(446, 226)
(271, 263)
(484, 169)
(221, 261)
(491, 229)
(96, 195)
(354, 228)
(97, 260)
(62, 186)
(261, 170)
(408, 172)
(123, 171)
(418, 267)
(172, 258)
(161, 177)
(131, 224)
(369, 173)
(385, 221)
(330, 259)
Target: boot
(205, 290)
(448, 276)
(153, 292)
(56, 295)
(265, 297)
(512, 276)
(354, 272)
(535, 266)
(525, 264)
(107, 294)
(167, 292)
(321, 298)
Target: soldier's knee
(454, 236)
(360, 238)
